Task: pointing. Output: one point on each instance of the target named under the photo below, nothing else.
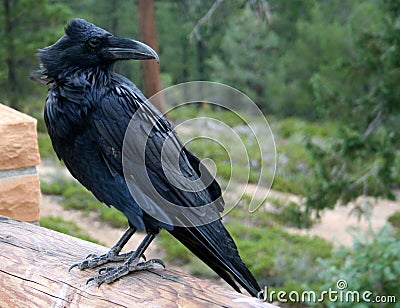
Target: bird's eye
(94, 42)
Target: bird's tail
(215, 247)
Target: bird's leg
(113, 255)
(112, 273)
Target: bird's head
(85, 45)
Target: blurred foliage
(26, 25)
(321, 61)
(372, 264)
(290, 214)
(363, 160)
(196, 110)
(248, 49)
(394, 220)
(46, 148)
(66, 227)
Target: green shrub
(396, 170)
(55, 186)
(289, 127)
(372, 264)
(276, 256)
(176, 252)
(394, 219)
(291, 214)
(46, 148)
(39, 115)
(112, 216)
(191, 111)
(66, 227)
(75, 196)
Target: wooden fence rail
(34, 264)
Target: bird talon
(161, 263)
(72, 266)
(91, 256)
(149, 264)
(100, 283)
(90, 279)
(93, 260)
(106, 269)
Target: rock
(19, 156)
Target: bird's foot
(94, 260)
(109, 274)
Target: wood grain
(34, 264)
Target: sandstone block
(18, 139)
(19, 156)
(20, 197)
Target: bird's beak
(128, 49)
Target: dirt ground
(338, 225)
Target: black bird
(88, 112)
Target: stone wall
(19, 156)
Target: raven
(88, 111)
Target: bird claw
(72, 266)
(93, 260)
(149, 264)
(92, 255)
(109, 274)
(106, 269)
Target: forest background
(326, 74)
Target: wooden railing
(34, 264)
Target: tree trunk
(150, 69)
(11, 76)
(200, 59)
(114, 21)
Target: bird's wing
(137, 141)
